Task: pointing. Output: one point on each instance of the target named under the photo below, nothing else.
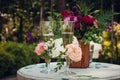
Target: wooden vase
(84, 63)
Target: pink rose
(39, 48)
(74, 52)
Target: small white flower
(46, 47)
(56, 51)
(48, 43)
(51, 39)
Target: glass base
(47, 71)
(67, 73)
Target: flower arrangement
(116, 40)
(51, 49)
(85, 28)
(72, 51)
(44, 49)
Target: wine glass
(67, 32)
(47, 35)
(67, 36)
(47, 70)
(47, 31)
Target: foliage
(107, 42)
(56, 20)
(84, 9)
(14, 56)
(30, 13)
(23, 15)
(104, 17)
(6, 62)
(60, 61)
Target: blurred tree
(2, 21)
(26, 13)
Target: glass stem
(48, 65)
(67, 64)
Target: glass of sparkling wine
(47, 31)
(67, 32)
(67, 36)
(47, 34)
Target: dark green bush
(21, 55)
(6, 62)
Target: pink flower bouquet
(40, 48)
(44, 49)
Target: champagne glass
(47, 31)
(67, 36)
(67, 32)
(47, 70)
(47, 35)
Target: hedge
(15, 55)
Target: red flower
(66, 13)
(88, 20)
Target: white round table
(96, 70)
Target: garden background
(20, 31)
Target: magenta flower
(66, 14)
(73, 18)
(75, 11)
(77, 25)
(79, 18)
